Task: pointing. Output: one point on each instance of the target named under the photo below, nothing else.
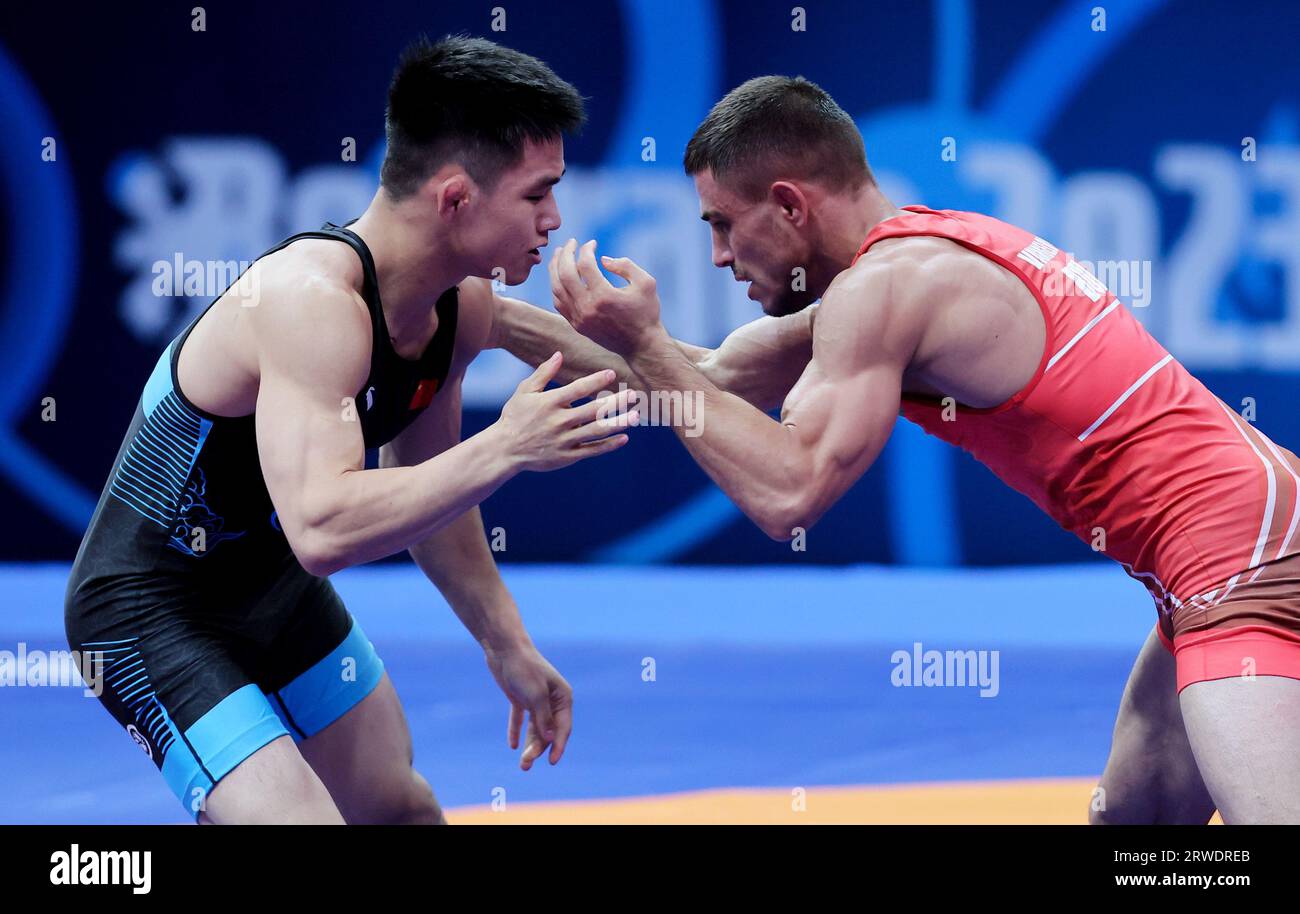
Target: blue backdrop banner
(147, 159)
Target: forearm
(362, 515)
(758, 462)
(532, 334)
(459, 563)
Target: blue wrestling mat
(761, 677)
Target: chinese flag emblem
(424, 393)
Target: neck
(413, 263)
(847, 225)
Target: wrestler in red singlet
(1119, 444)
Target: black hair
(472, 101)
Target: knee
(422, 807)
(1111, 804)
(413, 803)
(1113, 816)
(1101, 815)
(1171, 798)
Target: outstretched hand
(620, 319)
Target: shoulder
(878, 310)
(879, 290)
(476, 304)
(904, 284)
(931, 267)
(307, 313)
(917, 262)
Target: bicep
(841, 423)
(844, 406)
(307, 425)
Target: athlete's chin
(516, 276)
(780, 306)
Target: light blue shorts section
(331, 687)
(247, 719)
(239, 725)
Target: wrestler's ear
(452, 193)
(792, 200)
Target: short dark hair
(774, 125)
(472, 101)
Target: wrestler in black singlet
(214, 640)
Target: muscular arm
(834, 423)
(312, 359)
(759, 362)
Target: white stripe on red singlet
(1295, 511)
(1078, 336)
(1125, 395)
(1273, 489)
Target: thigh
(1151, 776)
(273, 786)
(178, 682)
(365, 760)
(1239, 680)
(328, 685)
(1245, 732)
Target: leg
(364, 759)
(329, 688)
(1246, 739)
(1151, 776)
(182, 692)
(273, 786)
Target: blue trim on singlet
(235, 728)
(155, 470)
(327, 690)
(247, 719)
(160, 381)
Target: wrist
(499, 629)
(506, 641)
(500, 443)
(650, 347)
